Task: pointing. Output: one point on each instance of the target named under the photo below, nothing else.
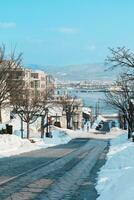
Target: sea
(93, 99)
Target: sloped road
(57, 173)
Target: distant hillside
(78, 72)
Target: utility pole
(56, 118)
(47, 128)
(21, 126)
(98, 104)
(96, 109)
(42, 126)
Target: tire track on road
(10, 188)
(66, 185)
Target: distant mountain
(78, 72)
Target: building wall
(50, 84)
(37, 81)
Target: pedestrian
(88, 126)
(82, 125)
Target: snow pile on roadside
(12, 144)
(91, 133)
(115, 179)
(58, 137)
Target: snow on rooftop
(55, 111)
(39, 71)
(111, 115)
(98, 120)
(86, 110)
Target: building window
(37, 84)
(42, 85)
(32, 84)
(34, 75)
(43, 79)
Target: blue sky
(62, 32)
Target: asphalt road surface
(64, 172)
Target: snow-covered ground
(13, 144)
(92, 133)
(115, 179)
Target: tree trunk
(124, 122)
(129, 133)
(130, 119)
(21, 123)
(130, 128)
(42, 126)
(28, 131)
(0, 114)
(121, 121)
(68, 118)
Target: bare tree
(123, 58)
(69, 105)
(123, 98)
(29, 106)
(120, 98)
(7, 86)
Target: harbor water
(93, 99)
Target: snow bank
(115, 179)
(91, 133)
(12, 144)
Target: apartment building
(20, 75)
(50, 84)
(38, 82)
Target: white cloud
(64, 30)
(35, 40)
(91, 47)
(7, 25)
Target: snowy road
(57, 173)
